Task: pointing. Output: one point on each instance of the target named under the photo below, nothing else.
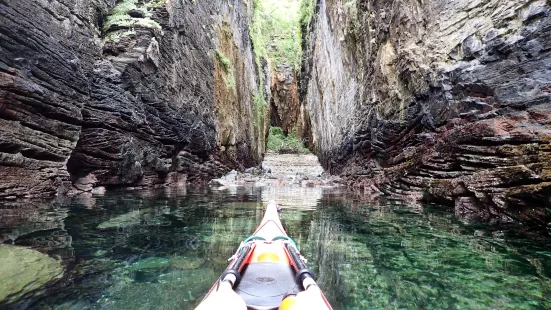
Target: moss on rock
(127, 15)
(226, 65)
(24, 270)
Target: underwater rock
(146, 217)
(185, 263)
(178, 289)
(150, 263)
(125, 220)
(25, 270)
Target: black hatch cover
(263, 285)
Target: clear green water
(163, 250)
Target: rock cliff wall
(441, 100)
(287, 111)
(124, 93)
(284, 102)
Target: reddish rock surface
(285, 104)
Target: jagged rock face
(141, 107)
(287, 111)
(43, 88)
(285, 104)
(436, 99)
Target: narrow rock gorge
(446, 101)
(125, 93)
(142, 140)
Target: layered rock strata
(439, 100)
(127, 93)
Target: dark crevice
(9, 148)
(473, 164)
(42, 155)
(500, 142)
(482, 153)
(522, 182)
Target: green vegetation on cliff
(307, 9)
(128, 14)
(261, 107)
(276, 35)
(278, 142)
(276, 31)
(116, 36)
(229, 75)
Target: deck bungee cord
(267, 272)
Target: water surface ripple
(164, 249)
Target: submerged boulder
(125, 220)
(145, 217)
(25, 270)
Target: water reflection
(398, 257)
(163, 250)
(294, 196)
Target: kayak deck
(266, 269)
(264, 285)
(268, 275)
(271, 226)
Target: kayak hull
(266, 268)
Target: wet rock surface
(281, 170)
(438, 100)
(287, 164)
(25, 270)
(446, 101)
(89, 100)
